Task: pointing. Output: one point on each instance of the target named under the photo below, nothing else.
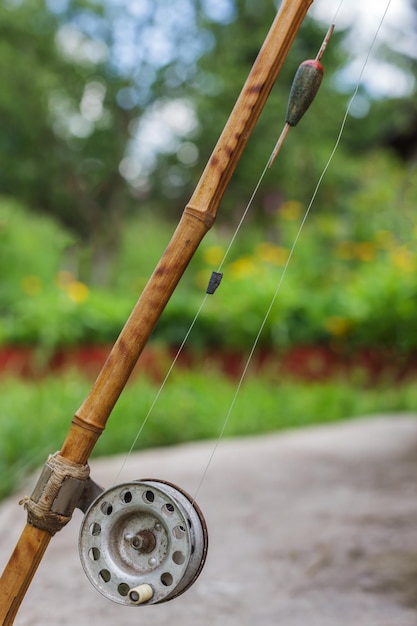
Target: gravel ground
(316, 527)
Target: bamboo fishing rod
(198, 217)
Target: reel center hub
(144, 541)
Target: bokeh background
(109, 111)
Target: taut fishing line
(158, 393)
(290, 255)
(188, 333)
(280, 282)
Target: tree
(399, 130)
(76, 77)
(217, 83)
(114, 107)
(214, 89)
(62, 145)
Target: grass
(35, 415)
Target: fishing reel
(143, 542)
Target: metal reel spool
(143, 542)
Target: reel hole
(105, 575)
(126, 497)
(149, 496)
(106, 508)
(178, 532)
(168, 509)
(95, 529)
(123, 589)
(178, 557)
(167, 579)
(94, 554)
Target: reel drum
(143, 542)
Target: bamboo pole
(198, 217)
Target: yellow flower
(337, 326)
(268, 253)
(348, 250)
(291, 210)
(242, 267)
(383, 239)
(365, 251)
(31, 285)
(345, 250)
(213, 255)
(77, 291)
(403, 259)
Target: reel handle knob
(140, 594)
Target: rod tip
(325, 42)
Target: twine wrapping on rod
(41, 507)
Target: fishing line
(280, 282)
(188, 333)
(161, 388)
(200, 308)
(291, 252)
(221, 264)
(246, 211)
(336, 13)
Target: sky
(163, 123)
(398, 29)
(364, 16)
(380, 78)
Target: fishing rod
(159, 537)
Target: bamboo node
(56, 494)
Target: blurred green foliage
(180, 415)
(112, 109)
(351, 281)
(88, 204)
(78, 80)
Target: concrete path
(316, 527)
